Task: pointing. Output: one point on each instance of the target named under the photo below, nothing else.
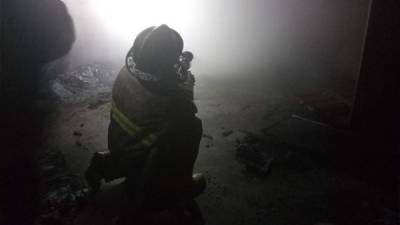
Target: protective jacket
(147, 114)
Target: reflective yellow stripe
(123, 125)
(123, 119)
(130, 128)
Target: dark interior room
(186, 112)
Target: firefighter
(154, 134)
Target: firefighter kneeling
(154, 134)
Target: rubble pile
(83, 83)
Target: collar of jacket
(140, 74)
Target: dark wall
(33, 32)
(377, 106)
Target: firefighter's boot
(199, 184)
(95, 172)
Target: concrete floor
(300, 187)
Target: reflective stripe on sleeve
(130, 128)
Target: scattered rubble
(258, 152)
(326, 107)
(252, 153)
(227, 133)
(101, 99)
(208, 136)
(83, 83)
(63, 194)
(77, 133)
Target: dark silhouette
(32, 34)
(154, 134)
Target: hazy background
(230, 37)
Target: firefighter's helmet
(155, 49)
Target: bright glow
(125, 18)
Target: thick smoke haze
(230, 37)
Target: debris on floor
(83, 83)
(77, 133)
(208, 136)
(326, 107)
(99, 100)
(227, 133)
(259, 152)
(63, 194)
(252, 153)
